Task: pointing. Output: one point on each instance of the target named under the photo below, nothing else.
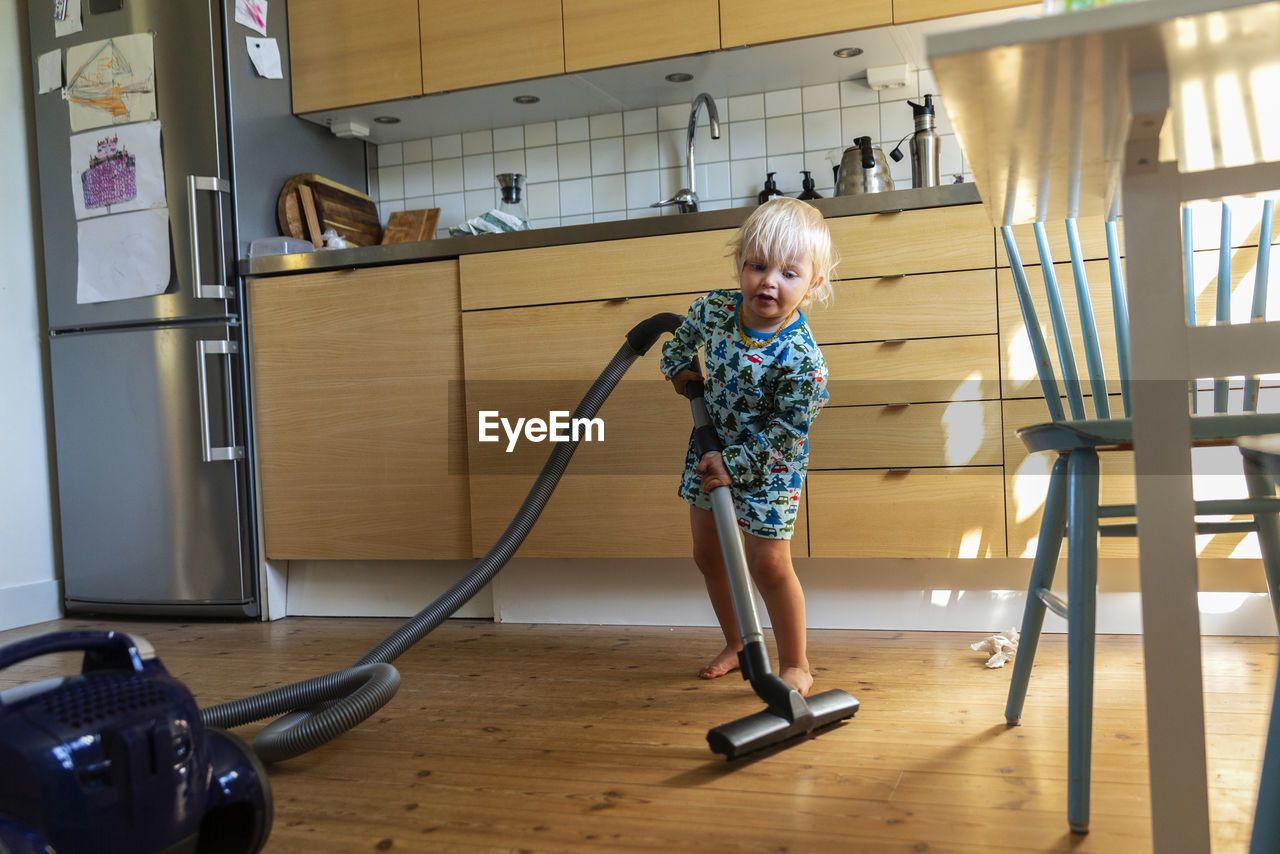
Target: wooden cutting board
(411, 226)
(347, 211)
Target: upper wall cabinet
(906, 11)
(494, 42)
(599, 33)
(745, 22)
(342, 54)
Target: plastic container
(279, 246)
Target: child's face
(772, 290)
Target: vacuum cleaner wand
(788, 714)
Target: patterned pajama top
(762, 401)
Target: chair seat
(1117, 433)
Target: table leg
(1166, 539)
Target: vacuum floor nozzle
(765, 729)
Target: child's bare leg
(710, 560)
(775, 578)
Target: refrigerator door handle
(203, 350)
(213, 185)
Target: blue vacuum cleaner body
(117, 759)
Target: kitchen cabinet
(748, 22)
(600, 33)
(618, 497)
(495, 42)
(906, 11)
(341, 54)
(359, 413)
(906, 460)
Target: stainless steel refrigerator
(150, 394)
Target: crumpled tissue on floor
(1001, 648)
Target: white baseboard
(28, 604)
(376, 588)
(979, 596)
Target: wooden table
(1142, 106)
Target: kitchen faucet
(687, 198)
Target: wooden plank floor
(592, 738)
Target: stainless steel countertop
(452, 247)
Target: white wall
(29, 589)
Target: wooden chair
(1072, 508)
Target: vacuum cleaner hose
(320, 709)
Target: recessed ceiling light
(848, 52)
(679, 77)
(526, 99)
(386, 120)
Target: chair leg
(1052, 526)
(1082, 587)
(1266, 818)
(1261, 485)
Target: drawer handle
(895, 276)
(899, 469)
(894, 341)
(902, 405)
(618, 299)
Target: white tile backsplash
(417, 180)
(613, 165)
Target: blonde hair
(784, 229)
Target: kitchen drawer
(928, 305)
(608, 269)
(918, 370)
(561, 342)
(929, 240)
(598, 516)
(952, 512)
(966, 433)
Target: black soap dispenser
(807, 191)
(770, 190)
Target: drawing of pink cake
(112, 176)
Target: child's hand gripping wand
(788, 714)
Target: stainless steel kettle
(863, 169)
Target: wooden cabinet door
(343, 54)
(600, 33)
(905, 11)
(495, 42)
(746, 22)
(359, 413)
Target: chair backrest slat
(1262, 272)
(1119, 311)
(1189, 284)
(1058, 319)
(1031, 321)
(1222, 315)
(1088, 326)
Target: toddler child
(765, 383)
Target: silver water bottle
(924, 145)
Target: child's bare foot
(799, 678)
(725, 662)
